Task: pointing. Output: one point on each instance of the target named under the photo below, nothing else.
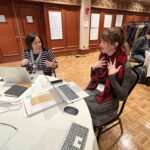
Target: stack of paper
(9, 104)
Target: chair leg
(99, 133)
(121, 127)
(54, 72)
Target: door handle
(22, 37)
(17, 37)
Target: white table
(46, 130)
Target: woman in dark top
(107, 73)
(36, 58)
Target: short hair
(30, 38)
(113, 35)
(148, 30)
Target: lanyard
(34, 62)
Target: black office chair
(52, 72)
(102, 126)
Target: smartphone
(56, 81)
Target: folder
(38, 103)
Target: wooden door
(56, 44)
(30, 19)
(69, 27)
(9, 42)
(72, 29)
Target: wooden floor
(136, 117)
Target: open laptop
(14, 74)
(70, 92)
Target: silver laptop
(14, 74)
(70, 92)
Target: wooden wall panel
(9, 43)
(127, 18)
(29, 10)
(56, 45)
(72, 29)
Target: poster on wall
(119, 19)
(29, 19)
(55, 22)
(107, 21)
(94, 34)
(95, 20)
(2, 18)
(94, 31)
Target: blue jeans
(139, 58)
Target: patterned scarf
(100, 75)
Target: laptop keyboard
(76, 138)
(68, 92)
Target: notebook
(15, 91)
(70, 92)
(36, 103)
(14, 74)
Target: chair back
(131, 77)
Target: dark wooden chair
(115, 119)
(54, 73)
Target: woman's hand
(112, 68)
(24, 62)
(50, 64)
(99, 64)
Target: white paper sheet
(94, 33)
(107, 21)
(55, 22)
(119, 19)
(95, 20)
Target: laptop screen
(14, 74)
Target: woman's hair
(113, 35)
(30, 38)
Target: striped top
(46, 54)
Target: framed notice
(55, 25)
(95, 20)
(107, 21)
(119, 19)
(29, 19)
(94, 34)
(94, 31)
(2, 19)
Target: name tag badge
(34, 66)
(100, 87)
(39, 72)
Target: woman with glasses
(36, 58)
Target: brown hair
(30, 38)
(113, 35)
(148, 30)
